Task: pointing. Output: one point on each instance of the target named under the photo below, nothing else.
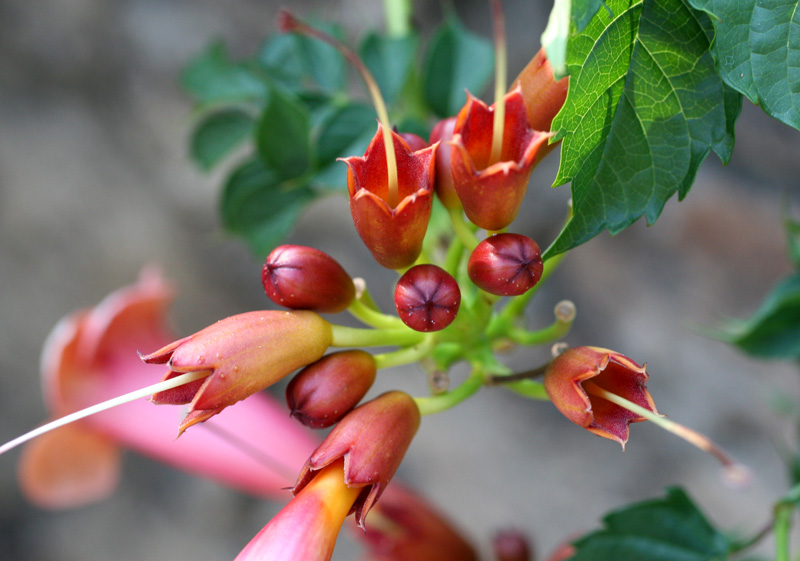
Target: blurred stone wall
(95, 183)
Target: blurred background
(95, 183)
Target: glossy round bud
(506, 264)
(427, 298)
(322, 393)
(304, 278)
(414, 141)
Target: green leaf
(456, 60)
(773, 331)
(390, 60)
(217, 135)
(645, 106)
(667, 529)
(283, 135)
(282, 61)
(258, 207)
(321, 61)
(212, 77)
(342, 128)
(757, 51)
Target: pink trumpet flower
(91, 356)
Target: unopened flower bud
(443, 184)
(305, 278)
(511, 545)
(324, 392)
(414, 141)
(427, 298)
(373, 438)
(575, 368)
(506, 264)
(243, 354)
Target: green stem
(453, 258)
(443, 402)
(462, 230)
(369, 316)
(406, 355)
(517, 305)
(783, 523)
(354, 337)
(528, 388)
(553, 332)
(398, 17)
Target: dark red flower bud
(304, 278)
(324, 392)
(373, 438)
(506, 264)
(414, 141)
(511, 545)
(427, 298)
(443, 184)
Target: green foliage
(645, 107)
(456, 60)
(256, 205)
(283, 135)
(212, 77)
(757, 52)
(667, 529)
(390, 60)
(218, 134)
(773, 331)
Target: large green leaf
(257, 206)
(773, 331)
(390, 60)
(283, 135)
(668, 529)
(218, 134)
(212, 77)
(456, 60)
(757, 51)
(341, 128)
(645, 106)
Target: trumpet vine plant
(635, 93)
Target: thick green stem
(462, 230)
(443, 402)
(553, 332)
(783, 523)
(398, 17)
(368, 315)
(453, 258)
(407, 355)
(354, 337)
(528, 388)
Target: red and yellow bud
(572, 372)
(392, 233)
(305, 278)
(306, 529)
(372, 439)
(322, 393)
(491, 191)
(543, 94)
(243, 354)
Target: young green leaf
(322, 61)
(668, 529)
(645, 106)
(342, 128)
(283, 135)
(281, 59)
(390, 60)
(773, 331)
(757, 51)
(212, 77)
(256, 206)
(456, 60)
(218, 134)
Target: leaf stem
(369, 316)
(445, 401)
(462, 229)
(406, 355)
(356, 337)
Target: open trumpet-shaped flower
(89, 357)
(491, 190)
(573, 376)
(372, 439)
(243, 354)
(392, 231)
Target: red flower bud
(243, 354)
(443, 185)
(372, 438)
(571, 373)
(414, 141)
(492, 191)
(392, 234)
(506, 264)
(511, 545)
(324, 392)
(543, 94)
(304, 278)
(427, 298)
